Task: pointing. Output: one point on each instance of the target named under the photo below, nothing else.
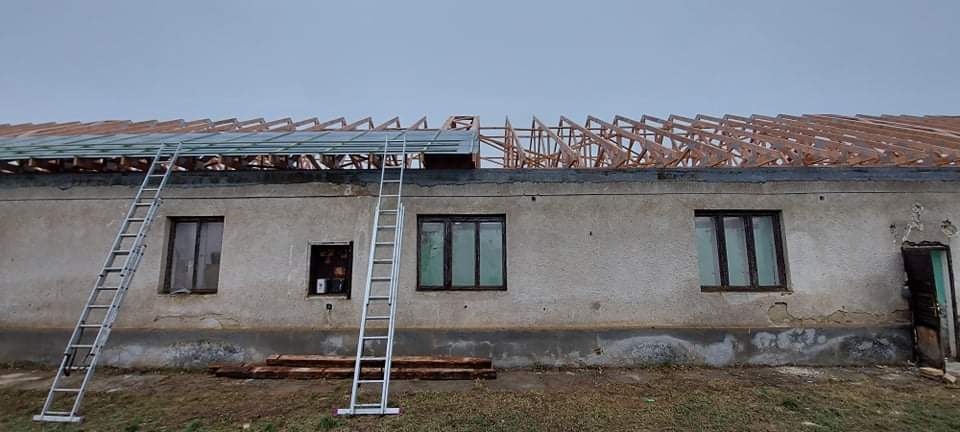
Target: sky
(97, 60)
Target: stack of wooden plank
(309, 366)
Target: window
(740, 251)
(331, 268)
(461, 253)
(194, 255)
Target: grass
(671, 399)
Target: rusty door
(924, 306)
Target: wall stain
(217, 320)
(779, 314)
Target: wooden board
(287, 372)
(403, 362)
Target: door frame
(950, 342)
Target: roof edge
(474, 176)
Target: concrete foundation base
(508, 348)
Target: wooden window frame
(349, 279)
(448, 221)
(168, 267)
(747, 216)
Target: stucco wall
(580, 254)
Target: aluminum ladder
(96, 321)
(380, 292)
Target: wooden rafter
(701, 141)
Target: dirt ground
(655, 399)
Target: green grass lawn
(659, 399)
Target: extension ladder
(380, 293)
(96, 320)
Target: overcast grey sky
(93, 60)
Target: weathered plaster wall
(583, 252)
(507, 348)
(578, 254)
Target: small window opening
(331, 269)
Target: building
(717, 241)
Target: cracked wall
(779, 314)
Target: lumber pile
(309, 366)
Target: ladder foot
(58, 418)
(367, 411)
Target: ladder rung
(379, 298)
(84, 346)
(392, 181)
(155, 175)
(91, 325)
(372, 358)
(57, 413)
(390, 196)
(387, 227)
(370, 381)
(378, 317)
(112, 269)
(67, 390)
(384, 243)
(150, 189)
(136, 219)
(98, 306)
(142, 204)
(129, 235)
(121, 251)
(383, 261)
(107, 288)
(381, 279)
(389, 211)
(374, 338)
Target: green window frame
(740, 250)
(461, 253)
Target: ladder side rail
(155, 203)
(103, 334)
(132, 262)
(116, 242)
(369, 282)
(133, 206)
(130, 265)
(391, 323)
(74, 336)
(169, 168)
(394, 281)
(135, 253)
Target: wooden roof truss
(647, 141)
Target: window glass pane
(431, 254)
(464, 250)
(766, 250)
(208, 256)
(736, 247)
(708, 257)
(491, 253)
(181, 259)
